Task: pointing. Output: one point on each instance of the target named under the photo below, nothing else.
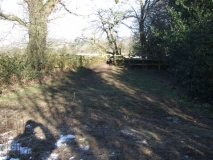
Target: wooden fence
(146, 60)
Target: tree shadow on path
(115, 114)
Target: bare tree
(141, 11)
(107, 22)
(37, 28)
(38, 13)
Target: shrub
(16, 67)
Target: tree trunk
(142, 37)
(37, 30)
(37, 34)
(141, 27)
(115, 48)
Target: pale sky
(63, 26)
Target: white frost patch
(5, 134)
(3, 153)
(127, 132)
(13, 147)
(186, 156)
(169, 118)
(20, 149)
(53, 156)
(84, 147)
(28, 126)
(142, 142)
(112, 154)
(10, 145)
(137, 57)
(63, 139)
(3, 157)
(11, 138)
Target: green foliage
(155, 47)
(16, 67)
(136, 48)
(190, 46)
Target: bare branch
(13, 18)
(64, 6)
(130, 27)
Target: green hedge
(16, 67)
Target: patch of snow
(3, 157)
(20, 149)
(169, 118)
(137, 57)
(14, 159)
(53, 156)
(63, 139)
(142, 142)
(2, 154)
(71, 158)
(112, 154)
(127, 132)
(5, 134)
(84, 147)
(11, 138)
(13, 146)
(186, 156)
(28, 126)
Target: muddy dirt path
(105, 112)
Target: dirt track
(113, 113)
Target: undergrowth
(16, 69)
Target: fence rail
(138, 61)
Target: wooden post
(129, 59)
(81, 63)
